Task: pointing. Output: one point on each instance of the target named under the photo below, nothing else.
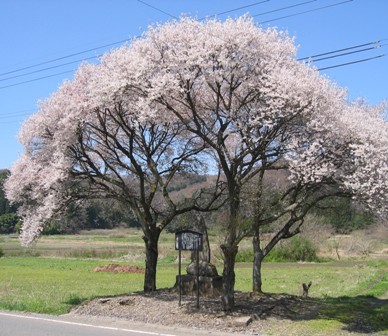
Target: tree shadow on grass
(360, 314)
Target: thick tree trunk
(151, 245)
(230, 248)
(228, 277)
(258, 258)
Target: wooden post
(180, 278)
(306, 289)
(197, 278)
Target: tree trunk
(230, 248)
(151, 245)
(261, 253)
(258, 258)
(228, 277)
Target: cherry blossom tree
(95, 138)
(241, 90)
(228, 94)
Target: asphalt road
(20, 324)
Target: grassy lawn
(52, 285)
(57, 274)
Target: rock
(242, 321)
(205, 269)
(208, 286)
(104, 300)
(125, 302)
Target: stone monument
(210, 283)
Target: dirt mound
(254, 314)
(115, 268)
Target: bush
(8, 223)
(73, 299)
(244, 256)
(296, 249)
(1, 252)
(51, 228)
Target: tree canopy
(188, 95)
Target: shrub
(1, 252)
(296, 249)
(8, 223)
(244, 256)
(51, 228)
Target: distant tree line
(95, 214)
(342, 214)
(8, 216)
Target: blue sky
(39, 31)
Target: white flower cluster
(233, 84)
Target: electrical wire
(114, 43)
(201, 19)
(348, 63)
(343, 49)
(283, 8)
(64, 57)
(345, 54)
(17, 112)
(14, 116)
(158, 9)
(49, 68)
(36, 79)
(308, 11)
(236, 9)
(92, 49)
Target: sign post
(188, 240)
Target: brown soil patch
(115, 268)
(266, 314)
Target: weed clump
(73, 299)
(296, 249)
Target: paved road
(12, 324)
(20, 324)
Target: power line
(203, 18)
(326, 53)
(92, 49)
(283, 8)
(304, 58)
(36, 79)
(11, 121)
(345, 54)
(158, 9)
(110, 44)
(89, 50)
(308, 11)
(348, 63)
(63, 57)
(14, 116)
(16, 112)
(343, 49)
(48, 68)
(238, 8)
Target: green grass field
(56, 275)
